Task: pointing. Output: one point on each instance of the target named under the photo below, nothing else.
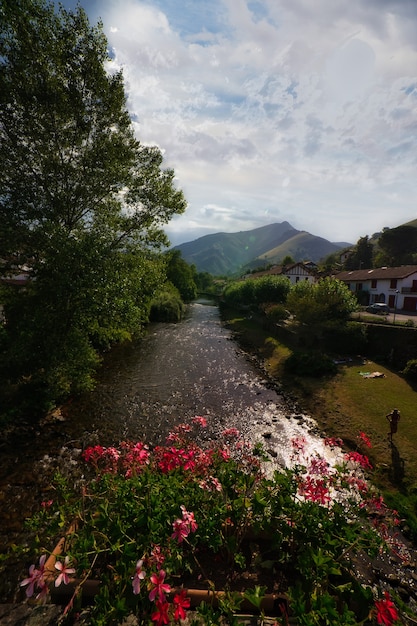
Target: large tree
(362, 255)
(398, 246)
(318, 303)
(82, 202)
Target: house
(395, 286)
(303, 270)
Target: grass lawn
(348, 403)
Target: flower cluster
(315, 513)
(158, 588)
(40, 577)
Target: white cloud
(274, 110)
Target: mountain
(232, 253)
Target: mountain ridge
(230, 253)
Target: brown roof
(378, 273)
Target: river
(145, 388)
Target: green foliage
(276, 312)
(253, 292)
(82, 202)
(362, 255)
(344, 338)
(167, 306)
(181, 275)
(410, 370)
(205, 282)
(313, 364)
(315, 303)
(398, 246)
(181, 513)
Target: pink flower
(386, 613)
(181, 530)
(181, 603)
(199, 420)
(64, 572)
(299, 443)
(188, 517)
(318, 465)
(333, 442)
(231, 432)
(139, 575)
(156, 558)
(160, 587)
(160, 616)
(36, 578)
(183, 527)
(211, 483)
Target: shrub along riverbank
(346, 402)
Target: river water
(178, 371)
(145, 388)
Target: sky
(274, 110)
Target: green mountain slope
(232, 253)
(301, 247)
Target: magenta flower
(63, 576)
(139, 575)
(35, 578)
(160, 587)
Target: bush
(410, 370)
(276, 312)
(167, 307)
(255, 291)
(347, 338)
(310, 364)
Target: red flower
(181, 603)
(315, 490)
(358, 458)
(386, 613)
(365, 439)
(160, 616)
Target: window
(393, 283)
(374, 283)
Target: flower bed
(160, 528)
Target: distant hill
(232, 253)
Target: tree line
(392, 247)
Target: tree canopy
(328, 299)
(82, 202)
